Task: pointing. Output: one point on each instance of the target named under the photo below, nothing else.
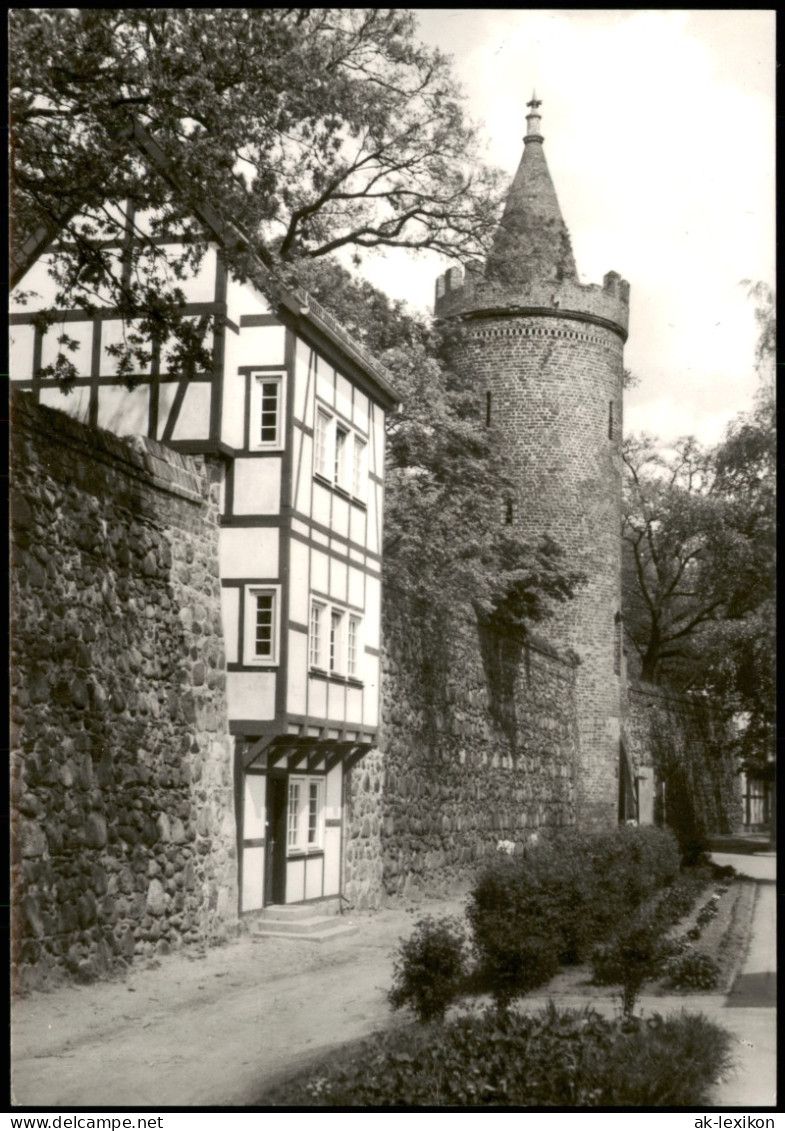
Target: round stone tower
(546, 354)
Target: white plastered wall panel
(371, 697)
(333, 795)
(166, 395)
(332, 833)
(379, 494)
(304, 473)
(320, 571)
(80, 358)
(377, 445)
(314, 871)
(332, 861)
(21, 344)
(360, 411)
(343, 396)
(325, 381)
(358, 523)
(233, 402)
(200, 287)
(251, 695)
(243, 298)
(257, 486)
(113, 333)
(336, 703)
(253, 878)
(295, 880)
(263, 345)
(372, 611)
(321, 504)
(298, 673)
(354, 705)
(193, 419)
(248, 552)
(340, 520)
(39, 281)
(298, 582)
(372, 530)
(317, 698)
(304, 379)
(75, 404)
(338, 580)
(356, 595)
(124, 411)
(253, 829)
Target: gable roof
(291, 297)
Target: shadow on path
(754, 990)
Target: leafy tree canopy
(308, 129)
(446, 540)
(699, 557)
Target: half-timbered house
(293, 412)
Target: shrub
(708, 911)
(692, 971)
(635, 956)
(606, 965)
(677, 900)
(516, 929)
(639, 950)
(568, 893)
(570, 1058)
(666, 1062)
(429, 968)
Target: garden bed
(724, 939)
(553, 1057)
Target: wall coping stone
(144, 458)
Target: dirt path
(218, 1029)
(209, 1030)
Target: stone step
(289, 912)
(319, 929)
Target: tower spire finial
(533, 119)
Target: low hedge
(570, 1058)
(568, 893)
(639, 945)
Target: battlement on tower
(467, 293)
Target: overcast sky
(659, 135)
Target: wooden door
(275, 870)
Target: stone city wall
(479, 737)
(685, 740)
(122, 814)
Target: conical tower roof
(532, 243)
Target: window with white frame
(305, 816)
(340, 454)
(342, 446)
(323, 444)
(316, 634)
(359, 468)
(353, 647)
(335, 639)
(260, 624)
(266, 429)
